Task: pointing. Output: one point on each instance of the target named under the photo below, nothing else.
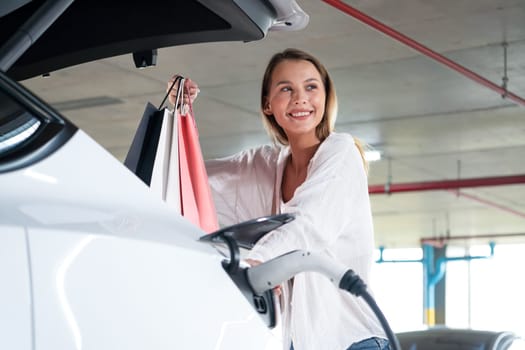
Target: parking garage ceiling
(432, 124)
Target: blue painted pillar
(429, 312)
(434, 269)
(440, 255)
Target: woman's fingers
(277, 290)
(253, 262)
(172, 96)
(191, 90)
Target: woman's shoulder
(339, 142)
(339, 148)
(340, 138)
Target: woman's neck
(302, 152)
(296, 168)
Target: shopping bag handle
(178, 78)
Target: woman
(318, 175)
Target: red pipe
(446, 184)
(489, 203)
(454, 186)
(423, 49)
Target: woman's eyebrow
(284, 82)
(311, 79)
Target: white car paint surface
(15, 308)
(112, 266)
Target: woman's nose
(300, 98)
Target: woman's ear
(267, 108)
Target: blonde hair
(327, 124)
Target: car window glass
(17, 126)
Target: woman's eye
(286, 89)
(311, 87)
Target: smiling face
(296, 99)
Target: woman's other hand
(253, 262)
(191, 90)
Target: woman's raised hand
(191, 90)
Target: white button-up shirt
(332, 217)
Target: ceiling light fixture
(372, 155)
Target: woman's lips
(300, 114)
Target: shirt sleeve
(242, 184)
(330, 204)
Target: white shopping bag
(165, 176)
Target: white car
(89, 258)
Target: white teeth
(300, 114)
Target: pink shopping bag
(196, 198)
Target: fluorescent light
(372, 155)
